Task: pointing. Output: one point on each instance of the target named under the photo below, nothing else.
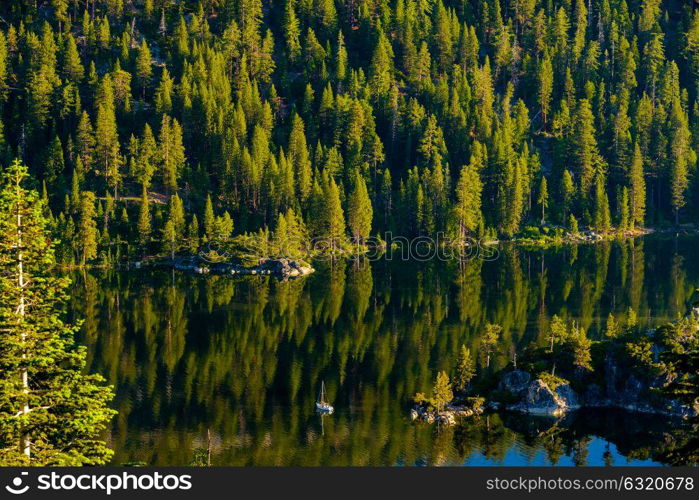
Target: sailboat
(322, 405)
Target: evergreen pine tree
(585, 151)
(292, 32)
(85, 143)
(298, 153)
(72, 66)
(359, 211)
(680, 154)
(441, 391)
(146, 158)
(613, 329)
(572, 224)
(144, 220)
(468, 200)
(54, 163)
(340, 58)
(223, 227)
(51, 413)
(74, 206)
(106, 137)
(489, 341)
(176, 215)
(465, 371)
(87, 234)
(193, 235)
(637, 195)
(624, 212)
(333, 218)
(172, 155)
(170, 238)
(209, 220)
(4, 85)
(144, 70)
(164, 93)
(567, 193)
(545, 78)
(602, 216)
(543, 199)
(381, 68)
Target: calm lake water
(242, 359)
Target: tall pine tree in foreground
(50, 412)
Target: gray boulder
(539, 399)
(284, 268)
(446, 418)
(514, 382)
(569, 396)
(305, 270)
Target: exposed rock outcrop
(629, 393)
(448, 416)
(568, 396)
(514, 382)
(539, 399)
(285, 267)
(281, 268)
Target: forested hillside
(166, 123)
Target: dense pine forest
(148, 129)
(156, 125)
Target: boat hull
(324, 408)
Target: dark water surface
(243, 358)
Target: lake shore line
(241, 263)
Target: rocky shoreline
(519, 392)
(283, 269)
(447, 416)
(535, 397)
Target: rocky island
(651, 372)
(282, 268)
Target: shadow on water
(242, 358)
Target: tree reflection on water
(243, 357)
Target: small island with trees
(631, 369)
